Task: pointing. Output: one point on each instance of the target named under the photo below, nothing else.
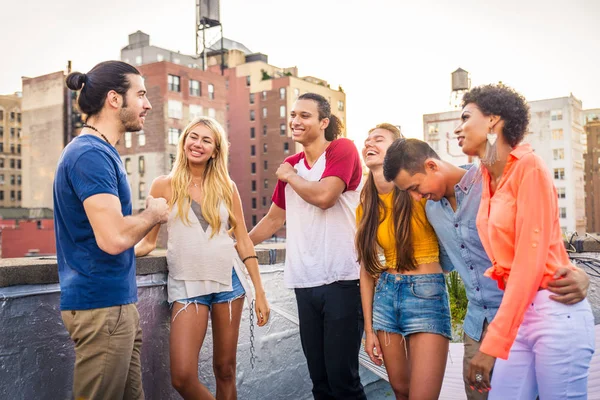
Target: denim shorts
(221, 297)
(407, 304)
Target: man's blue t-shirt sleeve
(94, 173)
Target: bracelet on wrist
(244, 260)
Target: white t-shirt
(320, 243)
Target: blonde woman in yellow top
(404, 301)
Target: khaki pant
(471, 348)
(108, 343)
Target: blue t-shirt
(89, 277)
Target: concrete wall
(37, 356)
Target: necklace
(195, 184)
(94, 129)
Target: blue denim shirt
(461, 247)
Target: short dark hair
(408, 155)
(504, 102)
(94, 86)
(335, 127)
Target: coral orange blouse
(520, 231)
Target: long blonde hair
(216, 184)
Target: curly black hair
(505, 102)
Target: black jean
(331, 329)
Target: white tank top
(192, 254)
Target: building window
(195, 111)
(19, 195)
(19, 118)
(264, 112)
(282, 111)
(1, 147)
(2, 195)
(173, 135)
(18, 149)
(175, 109)
(252, 115)
(12, 149)
(559, 174)
(251, 98)
(557, 134)
(282, 130)
(19, 180)
(254, 220)
(194, 88)
(248, 80)
(12, 132)
(141, 165)
(252, 133)
(296, 93)
(265, 148)
(211, 91)
(1, 162)
(18, 164)
(340, 105)
(1, 115)
(282, 93)
(559, 154)
(12, 195)
(1, 179)
(128, 166)
(176, 61)
(254, 203)
(556, 115)
(174, 83)
(127, 140)
(12, 116)
(2, 132)
(266, 164)
(212, 113)
(12, 163)
(264, 130)
(264, 201)
(138, 60)
(160, 57)
(253, 167)
(252, 150)
(12, 179)
(142, 191)
(266, 184)
(286, 148)
(141, 138)
(562, 212)
(254, 186)
(264, 94)
(561, 192)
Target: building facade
(438, 131)
(248, 96)
(11, 179)
(592, 170)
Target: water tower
(208, 18)
(461, 83)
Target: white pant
(551, 355)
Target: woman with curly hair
(405, 300)
(543, 347)
(206, 276)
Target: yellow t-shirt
(425, 242)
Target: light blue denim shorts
(407, 304)
(221, 297)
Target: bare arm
(322, 194)
(569, 286)
(367, 290)
(245, 248)
(267, 226)
(160, 188)
(116, 233)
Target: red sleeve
(279, 192)
(343, 161)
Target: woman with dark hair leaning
(405, 301)
(543, 347)
(206, 276)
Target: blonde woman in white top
(206, 275)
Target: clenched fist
(158, 207)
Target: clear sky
(392, 57)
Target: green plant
(265, 75)
(458, 299)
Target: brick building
(10, 151)
(592, 170)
